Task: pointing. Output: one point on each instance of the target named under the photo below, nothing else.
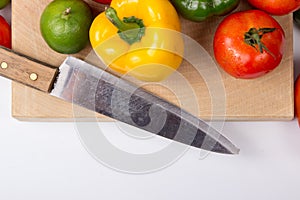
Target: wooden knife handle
(26, 70)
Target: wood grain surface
(202, 88)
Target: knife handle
(26, 70)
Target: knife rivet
(33, 76)
(4, 65)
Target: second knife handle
(26, 71)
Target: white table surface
(48, 161)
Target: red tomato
(5, 33)
(276, 7)
(297, 98)
(103, 1)
(249, 44)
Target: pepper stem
(130, 29)
(253, 38)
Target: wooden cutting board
(267, 98)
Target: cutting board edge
(70, 120)
(106, 119)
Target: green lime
(65, 25)
(4, 3)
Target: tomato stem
(130, 29)
(253, 38)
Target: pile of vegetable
(137, 37)
(142, 37)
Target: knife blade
(83, 84)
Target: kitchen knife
(80, 83)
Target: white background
(47, 161)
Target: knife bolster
(27, 71)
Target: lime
(4, 3)
(65, 25)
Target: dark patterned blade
(97, 90)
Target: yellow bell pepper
(139, 37)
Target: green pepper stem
(130, 29)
